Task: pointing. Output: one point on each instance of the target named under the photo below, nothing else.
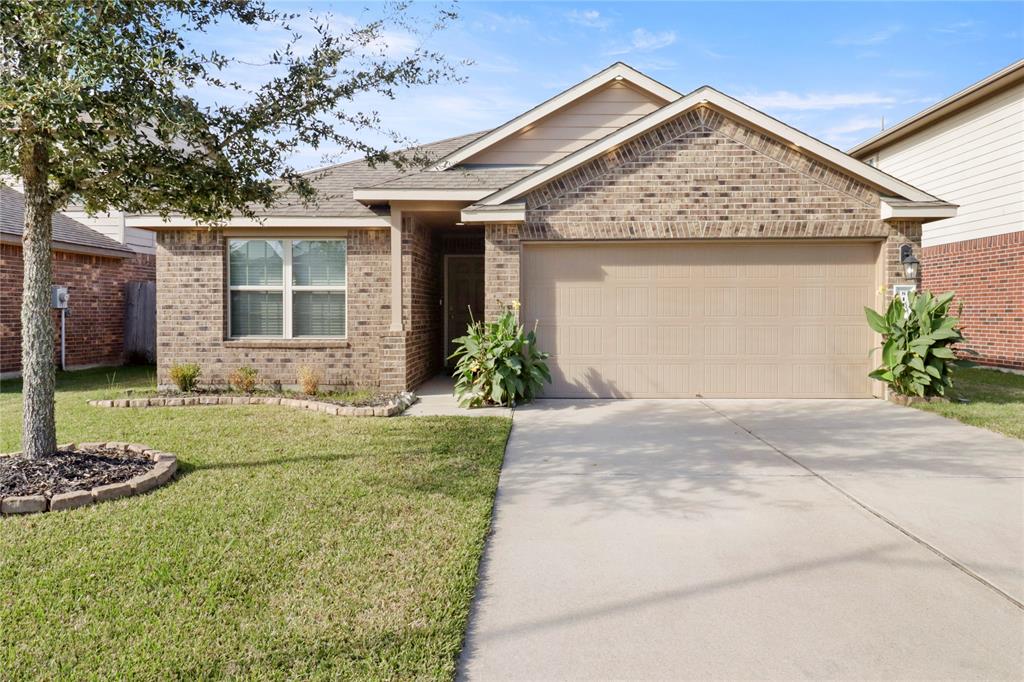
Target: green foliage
(498, 363)
(917, 359)
(185, 376)
(120, 105)
(244, 379)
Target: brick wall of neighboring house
(94, 328)
(192, 317)
(988, 276)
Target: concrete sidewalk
(751, 539)
(436, 399)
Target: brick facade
(423, 314)
(988, 276)
(192, 316)
(94, 329)
(699, 176)
(501, 267)
(702, 175)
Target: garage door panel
(712, 319)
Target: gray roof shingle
(65, 230)
(334, 184)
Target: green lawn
(292, 545)
(996, 401)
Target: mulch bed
(68, 471)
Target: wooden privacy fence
(140, 321)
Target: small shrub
(185, 376)
(916, 356)
(309, 380)
(498, 363)
(244, 379)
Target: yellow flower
(516, 305)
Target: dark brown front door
(464, 291)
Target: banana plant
(917, 358)
(498, 363)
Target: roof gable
(615, 95)
(708, 96)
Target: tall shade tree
(114, 104)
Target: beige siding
(974, 158)
(110, 225)
(572, 127)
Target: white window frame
(287, 288)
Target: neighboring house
(95, 270)
(666, 245)
(969, 149)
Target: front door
(464, 292)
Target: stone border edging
(394, 408)
(166, 466)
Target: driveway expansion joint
(920, 541)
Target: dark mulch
(68, 470)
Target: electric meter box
(58, 297)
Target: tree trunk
(39, 433)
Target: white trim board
(708, 95)
(616, 72)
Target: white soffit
(617, 71)
(732, 106)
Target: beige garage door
(670, 319)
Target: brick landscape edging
(166, 466)
(394, 408)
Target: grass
(995, 401)
(293, 545)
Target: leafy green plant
(498, 363)
(916, 356)
(244, 379)
(185, 376)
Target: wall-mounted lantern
(911, 266)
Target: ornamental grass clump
(244, 379)
(185, 376)
(309, 379)
(917, 359)
(498, 363)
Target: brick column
(501, 267)
(900, 232)
(392, 361)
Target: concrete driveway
(737, 539)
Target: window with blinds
(287, 288)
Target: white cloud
(642, 40)
(500, 23)
(875, 38)
(855, 125)
(590, 18)
(783, 100)
(968, 26)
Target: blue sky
(834, 70)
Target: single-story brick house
(969, 149)
(95, 270)
(666, 245)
